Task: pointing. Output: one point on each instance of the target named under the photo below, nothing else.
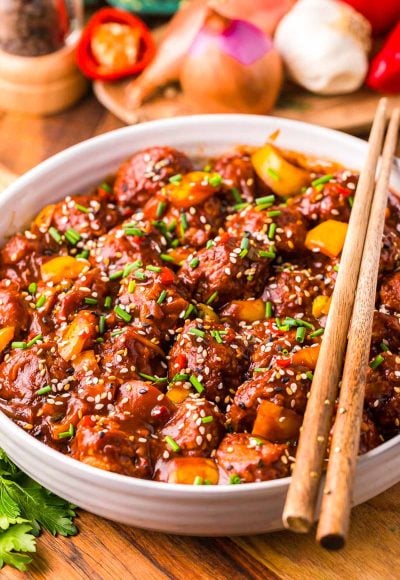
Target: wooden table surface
(105, 550)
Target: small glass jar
(38, 27)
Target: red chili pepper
(86, 59)
(338, 189)
(283, 362)
(180, 362)
(167, 276)
(384, 72)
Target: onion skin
(231, 67)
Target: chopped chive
(322, 180)
(208, 419)
(66, 434)
(17, 344)
(297, 322)
(240, 206)
(55, 234)
(32, 288)
(189, 310)
(243, 253)
(175, 178)
(162, 297)
(196, 383)
(90, 300)
(167, 258)
(131, 286)
(268, 309)
(210, 244)
(100, 339)
(153, 268)
(197, 332)
(133, 231)
(84, 254)
(198, 480)
(107, 302)
(139, 275)
(244, 244)
(273, 174)
(123, 314)
(102, 324)
(153, 378)
(268, 199)
(336, 267)
(82, 208)
(128, 269)
(234, 480)
(34, 340)
(116, 275)
(161, 207)
(351, 200)
(173, 444)
(378, 360)
(316, 333)
(184, 222)
(236, 195)
(175, 243)
(274, 213)
(215, 180)
(260, 369)
(384, 347)
(300, 334)
(271, 231)
(217, 335)
(194, 262)
(180, 377)
(44, 390)
(212, 298)
(118, 332)
(40, 301)
(106, 187)
(72, 236)
(310, 375)
(264, 254)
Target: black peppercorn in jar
(33, 27)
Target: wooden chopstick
(298, 514)
(336, 502)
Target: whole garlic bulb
(325, 45)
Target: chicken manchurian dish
(166, 326)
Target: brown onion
(232, 66)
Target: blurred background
(71, 69)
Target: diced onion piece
(44, 217)
(320, 306)
(194, 188)
(177, 394)
(6, 336)
(307, 357)
(281, 176)
(62, 268)
(77, 335)
(328, 237)
(246, 310)
(276, 423)
(187, 469)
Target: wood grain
(107, 551)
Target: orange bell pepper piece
(77, 335)
(247, 310)
(194, 188)
(276, 423)
(6, 336)
(307, 357)
(188, 469)
(328, 237)
(62, 268)
(177, 394)
(320, 306)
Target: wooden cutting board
(105, 550)
(351, 113)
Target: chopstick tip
(332, 541)
(296, 524)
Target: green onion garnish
(160, 209)
(322, 180)
(384, 347)
(118, 332)
(162, 297)
(336, 267)
(309, 375)
(271, 231)
(212, 298)
(175, 178)
(216, 334)
(316, 333)
(196, 383)
(274, 213)
(133, 231)
(268, 309)
(106, 187)
(264, 254)
(273, 174)
(84, 255)
(234, 480)
(69, 433)
(197, 332)
(107, 302)
(72, 236)
(351, 200)
(210, 244)
(260, 369)
(139, 275)
(208, 419)
(215, 180)
(128, 269)
(236, 195)
(184, 222)
(297, 322)
(116, 275)
(300, 334)
(189, 310)
(55, 234)
(90, 300)
(167, 258)
(17, 344)
(180, 377)
(198, 480)
(378, 360)
(82, 208)
(123, 314)
(153, 378)
(153, 268)
(268, 199)
(40, 302)
(240, 206)
(194, 262)
(244, 244)
(102, 324)
(44, 390)
(131, 286)
(173, 444)
(34, 340)
(32, 288)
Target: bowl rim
(125, 482)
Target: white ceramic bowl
(208, 510)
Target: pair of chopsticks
(349, 324)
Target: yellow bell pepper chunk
(77, 335)
(284, 178)
(307, 357)
(246, 310)
(6, 336)
(188, 470)
(177, 394)
(276, 423)
(62, 268)
(44, 217)
(86, 361)
(193, 188)
(328, 237)
(320, 306)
